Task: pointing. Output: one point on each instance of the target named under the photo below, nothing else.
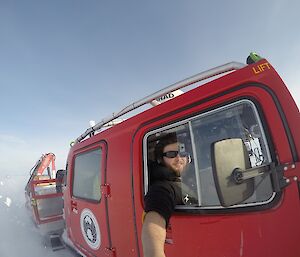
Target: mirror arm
(240, 175)
(279, 181)
(278, 178)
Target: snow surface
(19, 236)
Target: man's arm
(154, 235)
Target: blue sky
(65, 62)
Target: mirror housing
(61, 176)
(229, 155)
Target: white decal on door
(90, 229)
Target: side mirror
(61, 176)
(227, 156)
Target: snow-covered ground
(19, 237)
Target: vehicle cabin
(254, 214)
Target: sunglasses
(173, 154)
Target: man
(164, 194)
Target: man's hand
(153, 235)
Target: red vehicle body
(252, 102)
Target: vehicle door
(88, 217)
(267, 222)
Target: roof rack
(181, 84)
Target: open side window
(197, 134)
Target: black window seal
(233, 209)
(85, 150)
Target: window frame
(102, 149)
(188, 121)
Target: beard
(177, 168)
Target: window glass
(195, 137)
(238, 120)
(180, 141)
(87, 175)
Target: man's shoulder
(159, 172)
(165, 183)
(165, 186)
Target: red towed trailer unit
(43, 194)
(241, 131)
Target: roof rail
(183, 83)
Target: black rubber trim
(245, 208)
(284, 120)
(133, 197)
(75, 153)
(106, 198)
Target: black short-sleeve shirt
(162, 198)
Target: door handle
(74, 206)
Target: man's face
(177, 164)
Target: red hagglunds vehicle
(241, 131)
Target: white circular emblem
(90, 229)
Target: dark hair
(168, 139)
